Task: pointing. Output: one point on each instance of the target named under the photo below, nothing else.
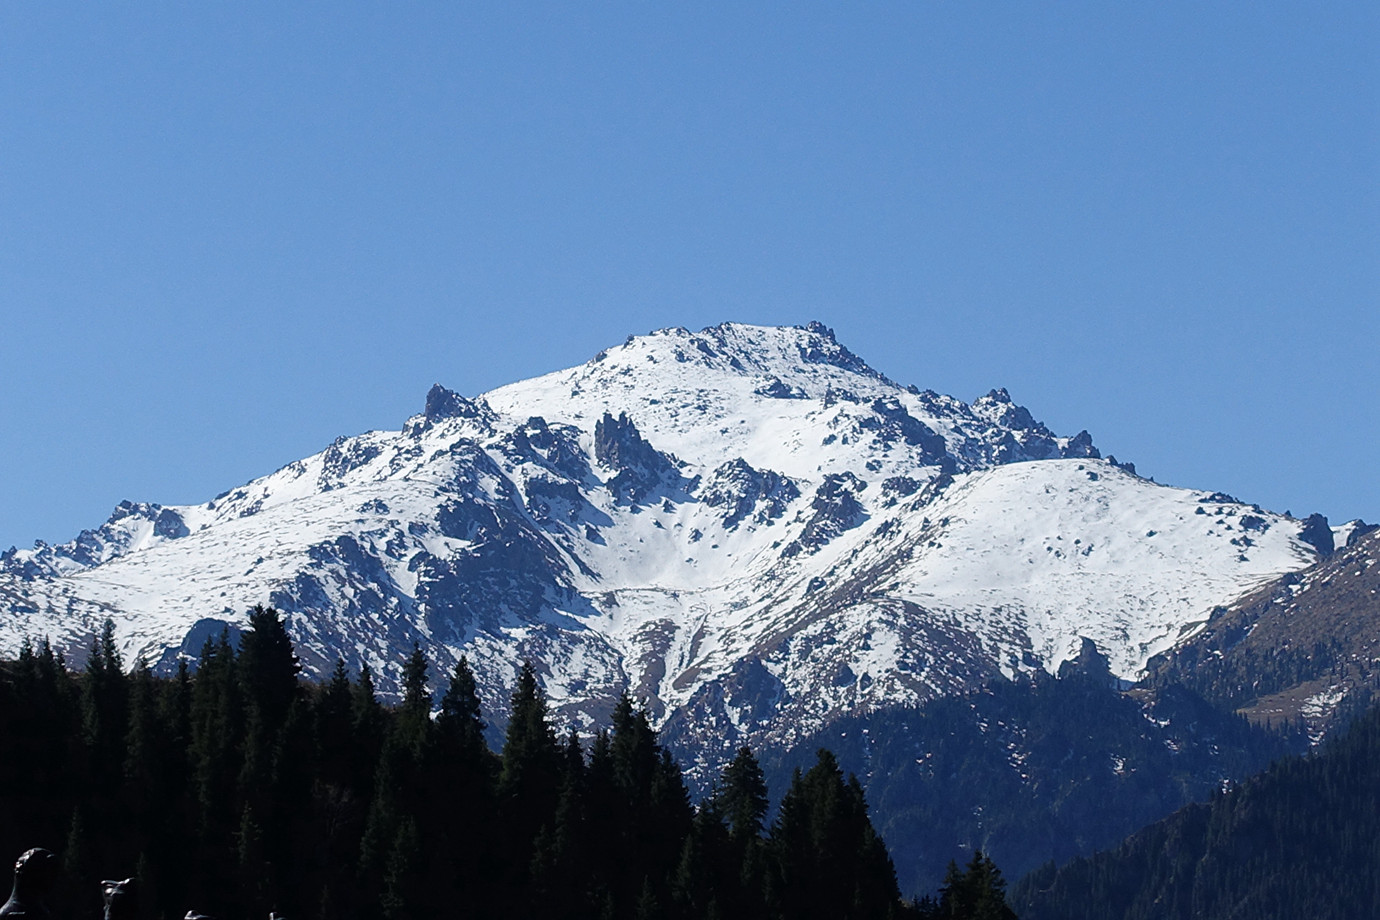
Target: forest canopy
(242, 789)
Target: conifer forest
(240, 790)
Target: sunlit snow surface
(870, 568)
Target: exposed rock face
(1081, 445)
(344, 456)
(834, 509)
(640, 468)
(774, 388)
(557, 448)
(894, 422)
(1318, 534)
(823, 348)
(169, 525)
(442, 404)
(1019, 437)
(1359, 531)
(743, 492)
(998, 407)
(1090, 664)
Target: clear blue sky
(232, 232)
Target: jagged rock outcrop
(742, 493)
(639, 468)
(834, 509)
(1317, 533)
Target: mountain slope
(1302, 649)
(1035, 770)
(747, 527)
(1296, 841)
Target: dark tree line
(241, 789)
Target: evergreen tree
(648, 904)
(268, 668)
(338, 802)
(728, 830)
(1299, 840)
(414, 717)
(104, 698)
(294, 848)
(403, 897)
(335, 737)
(742, 795)
(233, 805)
(78, 874)
(976, 893)
(384, 821)
(634, 750)
(171, 848)
(251, 858)
(266, 671)
(368, 727)
(460, 721)
(829, 862)
(529, 782)
(217, 727)
(104, 706)
(175, 708)
(465, 768)
(45, 752)
(530, 755)
(145, 774)
(706, 875)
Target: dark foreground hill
(1032, 771)
(1300, 840)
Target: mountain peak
(998, 408)
(740, 349)
(442, 404)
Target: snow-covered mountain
(748, 527)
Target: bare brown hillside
(1304, 648)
